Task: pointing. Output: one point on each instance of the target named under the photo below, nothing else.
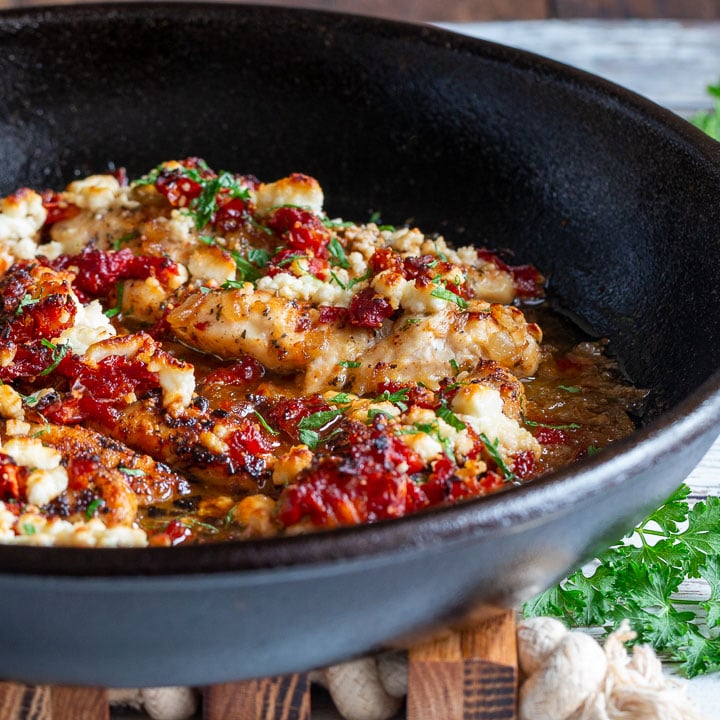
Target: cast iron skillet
(614, 198)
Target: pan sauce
(198, 356)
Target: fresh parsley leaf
(362, 278)
(569, 388)
(309, 437)
(446, 414)
(444, 294)
(494, 453)
(398, 398)
(350, 363)
(338, 258)
(319, 419)
(264, 423)
(118, 242)
(93, 507)
(26, 301)
(58, 353)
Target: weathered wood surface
(475, 10)
(275, 698)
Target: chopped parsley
(113, 311)
(117, 243)
(454, 365)
(26, 301)
(494, 453)
(338, 258)
(308, 427)
(365, 276)
(569, 388)
(398, 398)
(350, 363)
(570, 426)
(444, 294)
(374, 412)
(264, 423)
(131, 472)
(205, 206)
(233, 285)
(93, 507)
(28, 529)
(446, 414)
(58, 353)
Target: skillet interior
(613, 197)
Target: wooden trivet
(465, 675)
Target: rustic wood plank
(490, 677)
(276, 698)
(695, 9)
(435, 679)
(24, 702)
(73, 703)
(410, 10)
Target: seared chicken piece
(423, 349)
(150, 481)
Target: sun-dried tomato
(286, 413)
(368, 309)
(231, 214)
(57, 209)
(527, 279)
(524, 465)
(550, 436)
(301, 229)
(244, 371)
(368, 483)
(12, 478)
(177, 187)
(330, 314)
(99, 271)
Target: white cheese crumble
(297, 189)
(22, 215)
(31, 528)
(90, 326)
(481, 407)
(210, 262)
(47, 478)
(308, 288)
(94, 193)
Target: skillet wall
(482, 143)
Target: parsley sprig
(637, 579)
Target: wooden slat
(469, 675)
(24, 702)
(647, 9)
(276, 698)
(72, 703)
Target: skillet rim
(506, 511)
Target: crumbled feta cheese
(481, 407)
(10, 403)
(91, 325)
(22, 215)
(307, 288)
(93, 193)
(297, 189)
(47, 478)
(31, 528)
(426, 446)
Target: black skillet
(614, 198)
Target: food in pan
(198, 356)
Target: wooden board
(41, 702)
(275, 698)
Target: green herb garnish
(26, 301)
(444, 294)
(264, 423)
(398, 398)
(131, 472)
(494, 453)
(569, 388)
(350, 363)
(113, 311)
(446, 414)
(338, 258)
(58, 353)
(637, 578)
(570, 426)
(125, 239)
(95, 505)
(365, 276)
